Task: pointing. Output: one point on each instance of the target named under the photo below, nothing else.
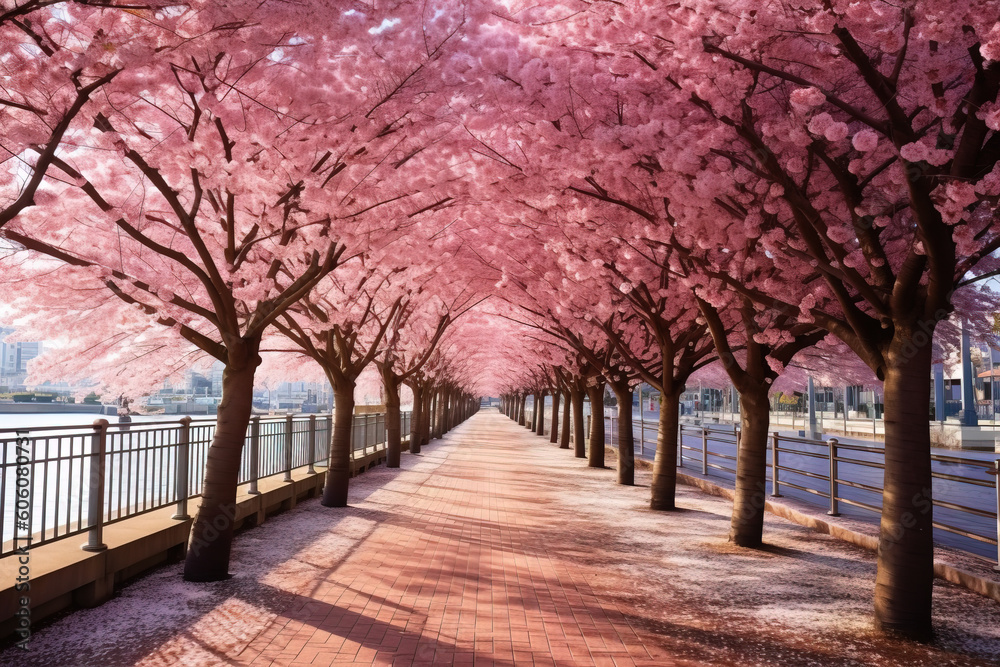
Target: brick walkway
(493, 547)
(465, 571)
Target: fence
(965, 489)
(80, 478)
(965, 492)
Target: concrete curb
(967, 570)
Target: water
(11, 421)
(141, 463)
(139, 474)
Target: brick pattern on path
(494, 547)
(461, 571)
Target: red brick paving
(464, 572)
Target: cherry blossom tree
(411, 340)
(408, 348)
(227, 200)
(864, 145)
(57, 55)
(854, 144)
(341, 328)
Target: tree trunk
(596, 395)
(338, 475)
(747, 526)
(522, 404)
(579, 437)
(417, 418)
(430, 415)
(393, 422)
(905, 575)
(212, 533)
(540, 423)
(427, 417)
(454, 411)
(533, 426)
(554, 435)
(564, 433)
(447, 412)
(626, 436)
(664, 484)
(438, 414)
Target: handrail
(139, 467)
(843, 471)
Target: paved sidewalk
(494, 547)
(462, 572)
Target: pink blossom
(918, 151)
(914, 152)
(865, 140)
(820, 122)
(836, 131)
(990, 114)
(807, 98)
(952, 200)
(990, 46)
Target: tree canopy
(485, 198)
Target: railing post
(737, 436)
(329, 436)
(834, 487)
(775, 490)
(288, 447)
(312, 444)
(95, 509)
(254, 453)
(364, 438)
(354, 436)
(181, 473)
(642, 426)
(704, 451)
(996, 480)
(680, 445)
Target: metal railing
(81, 478)
(965, 491)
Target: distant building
(215, 375)
(14, 358)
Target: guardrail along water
(80, 478)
